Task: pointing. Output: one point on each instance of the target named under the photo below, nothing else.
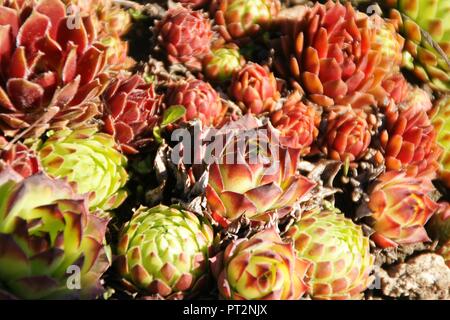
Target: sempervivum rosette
(199, 99)
(243, 18)
(222, 62)
(409, 141)
(89, 161)
(424, 24)
(297, 122)
(260, 268)
(51, 68)
(47, 234)
(185, 35)
(400, 207)
(255, 89)
(348, 134)
(109, 17)
(21, 159)
(255, 177)
(339, 253)
(110, 22)
(336, 55)
(165, 251)
(132, 109)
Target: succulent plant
(255, 89)
(400, 207)
(348, 134)
(318, 134)
(51, 72)
(185, 35)
(260, 268)
(441, 124)
(47, 234)
(243, 18)
(132, 109)
(200, 100)
(409, 141)
(21, 159)
(255, 177)
(116, 53)
(89, 161)
(165, 251)
(297, 122)
(111, 22)
(424, 24)
(339, 56)
(387, 41)
(338, 251)
(222, 62)
(109, 17)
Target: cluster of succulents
(261, 149)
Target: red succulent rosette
(52, 70)
(348, 134)
(254, 176)
(297, 123)
(400, 206)
(338, 55)
(131, 109)
(199, 99)
(409, 141)
(185, 35)
(255, 89)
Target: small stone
(424, 277)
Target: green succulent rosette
(339, 253)
(51, 247)
(425, 25)
(243, 18)
(90, 161)
(164, 251)
(221, 63)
